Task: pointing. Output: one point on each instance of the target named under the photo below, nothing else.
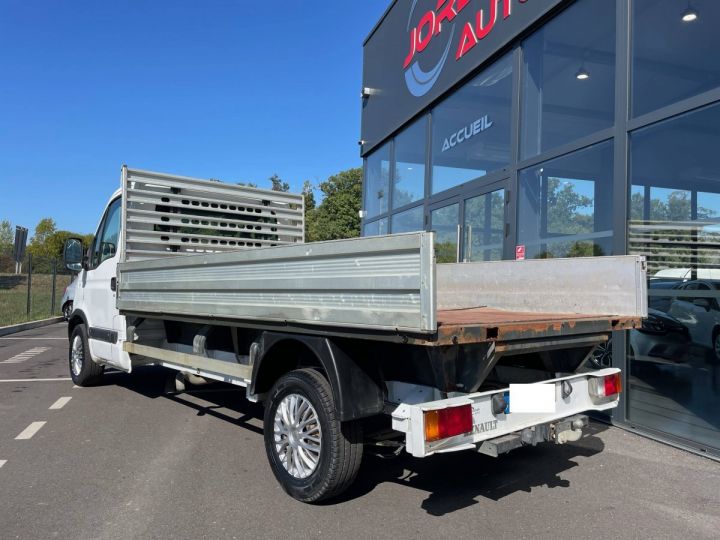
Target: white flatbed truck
(348, 343)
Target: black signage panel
(21, 234)
(422, 48)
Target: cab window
(106, 241)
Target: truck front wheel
(83, 370)
(313, 455)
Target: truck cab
(95, 295)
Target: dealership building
(565, 128)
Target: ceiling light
(690, 14)
(582, 74)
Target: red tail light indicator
(608, 386)
(444, 423)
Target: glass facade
(377, 182)
(471, 129)
(375, 228)
(671, 58)
(409, 171)
(565, 207)
(569, 77)
(675, 222)
(408, 221)
(596, 134)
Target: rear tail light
(607, 386)
(444, 423)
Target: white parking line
(60, 403)
(29, 431)
(21, 357)
(2, 462)
(36, 380)
(30, 338)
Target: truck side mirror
(73, 254)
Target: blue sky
(235, 90)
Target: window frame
(95, 259)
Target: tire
(325, 465)
(716, 344)
(602, 355)
(83, 370)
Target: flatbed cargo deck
(389, 288)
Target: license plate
(532, 398)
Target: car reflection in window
(700, 312)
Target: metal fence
(35, 292)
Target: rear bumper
(409, 419)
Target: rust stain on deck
(480, 324)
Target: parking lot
(127, 460)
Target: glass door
(484, 227)
(471, 226)
(445, 221)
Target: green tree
(39, 244)
(308, 195)
(48, 243)
(337, 216)
(7, 236)
(278, 184)
(309, 203)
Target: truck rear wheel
(83, 370)
(313, 455)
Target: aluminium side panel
(382, 283)
(166, 215)
(613, 285)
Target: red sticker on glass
(519, 253)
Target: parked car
(661, 338)
(700, 312)
(67, 299)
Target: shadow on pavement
(453, 481)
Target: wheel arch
(76, 317)
(356, 392)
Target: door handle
(113, 284)
(457, 244)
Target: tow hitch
(560, 432)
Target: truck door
(99, 284)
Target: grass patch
(13, 297)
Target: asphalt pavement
(126, 460)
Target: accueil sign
(466, 133)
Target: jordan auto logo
(440, 23)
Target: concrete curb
(5, 330)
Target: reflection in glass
(445, 222)
(409, 179)
(484, 226)
(471, 129)
(668, 64)
(377, 182)
(408, 221)
(565, 205)
(376, 228)
(674, 221)
(569, 77)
